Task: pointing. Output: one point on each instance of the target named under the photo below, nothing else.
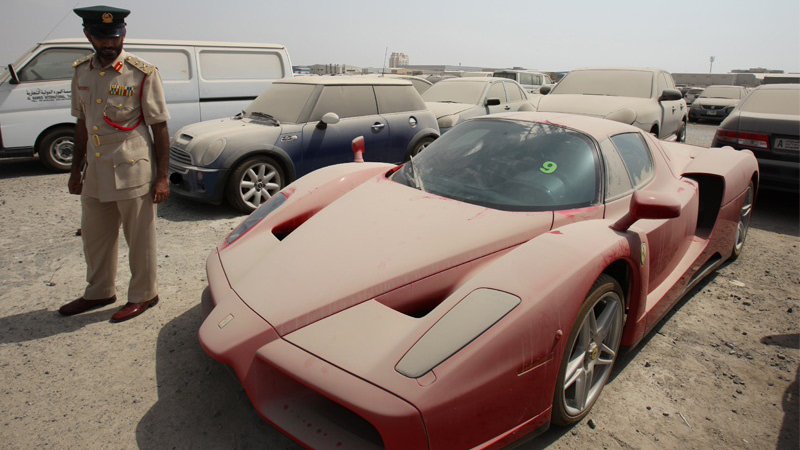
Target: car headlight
(470, 318)
(213, 152)
(624, 115)
(448, 121)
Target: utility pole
(712, 63)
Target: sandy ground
(721, 371)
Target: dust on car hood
(590, 105)
(376, 238)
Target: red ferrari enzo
(475, 294)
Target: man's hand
(160, 190)
(75, 183)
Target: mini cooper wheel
(253, 182)
(681, 134)
(55, 149)
(744, 221)
(590, 352)
(420, 146)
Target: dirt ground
(721, 371)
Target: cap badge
(108, 18)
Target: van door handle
(377, 126)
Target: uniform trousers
(100, 223)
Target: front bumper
(204, 185)
(316, 403)
(708, 113)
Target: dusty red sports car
(475, 294)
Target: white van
(529, 79)
(202, 81)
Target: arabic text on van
(48, 95)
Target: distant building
(708, 79)
(398, 59)
(334, 69)
(756, 70)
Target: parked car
(202, 81)
(767, 121)
(476, 294)
(419, 83)
(294, 127)
(645, 98)
(454, 100)
(692, 94)
(530, 80)
(716, 102)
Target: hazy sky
(676, 35)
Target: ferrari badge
(644, 252)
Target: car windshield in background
(773, 101)
(722, 92)
(284, 102)
(616, 83)
(508, 165)
(455, 92)
(508, 75)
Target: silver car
(455, 100)
(716, 102)
(642, 97)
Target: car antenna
(59, 22)
(383, 71)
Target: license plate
(787, 144)
(711, 113)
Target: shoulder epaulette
(80, 61)
(139, 64)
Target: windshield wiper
(265, 116)
(417, 177)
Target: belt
(113, 138)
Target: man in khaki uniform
(115, 97)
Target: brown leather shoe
(131, 310)
(80, 305)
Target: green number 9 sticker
(548, 167)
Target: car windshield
(731, 92)
(616, 83)
(695, 91)
(509, 75)
(284, 102)
(455, 92)
(508, 165)
(773, 101)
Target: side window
(496, 91)
(514, 93)
(345, 101)
(173, 65)
(526, 78)
(636, 155)
(52, 64)
(394, 99)
(618, 183)
(233, 65)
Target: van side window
(173, 65)
(227, 65)
(52, 64)
(636, 154)
(345, 101)
(526, 78)
(395, 99)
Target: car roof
(780, 86)
(473, 79)
(639, 69)
(594, 126)
(329, 80)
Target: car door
(400, 106)
(672, 111)
(358, 116)
(496, 91)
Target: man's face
(107, 48)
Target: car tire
(420, 146)
(680, 136)
(253, 182)
(56, 148)
(589, 356)
(745, 213)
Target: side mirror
(13, 73)
(330, 118)
(648, 205)
(544, 90)
(670, 95)
(492, 101)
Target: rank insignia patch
(125, 91)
